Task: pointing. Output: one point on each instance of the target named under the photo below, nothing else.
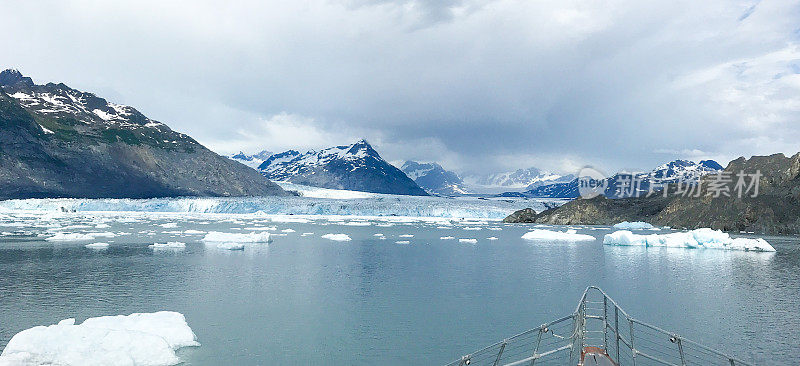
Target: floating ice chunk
(101, 226)
(97, 245)
(357, 223)
(168, 245)
(402, 242)
(216, 236)
(262, 228)
(193, 232)
(698, 238)
(231, 246)
(284, 219)
(384, 225)
(337, 237)
(406, 236)
(169, 225)
(136, 339)
(495, 228)
(636, 225)
(378, 234)
(79, 236)
(549, 235)
(306, 234)
(468, 241)
(491, 238)
(447, 238)
(473, 228)
(287, 231)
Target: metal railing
(600, 323)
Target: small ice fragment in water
(337, 237)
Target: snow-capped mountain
(519, 180)
(253, 161)
(434, 179)
(626, 184)
(356, 167)
(62, 142)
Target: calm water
(307, 300)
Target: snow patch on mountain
(254, 160)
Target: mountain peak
(13, 76)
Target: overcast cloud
(479, 86)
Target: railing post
(605, 324)
(680, 350)
(633, 348)
(616, 329)
(538, 341)
(500, 354)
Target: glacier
(137, 339)
(374, 205)
(698, 238)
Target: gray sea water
(306, 300)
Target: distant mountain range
(774, 210)
(519, 180)
(56, 141)
(356, 167)
(434, 179)
(253, 161)
(631, 184)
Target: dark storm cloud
(476, 85)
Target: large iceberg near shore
(137, 339)
(549, 235)
(698, 238)
(636, 225)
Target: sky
(479, 86)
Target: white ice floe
(97, 245)
(378, 234)
(473, 228)
(193, 232)
(357, 223)
(549, 235)
(261, 228)
(136, 339)
(698, 238)
(306, 234)
(406, 236)
(491, 238)
(447, 238)
(468, 241)
(636, 225)
(402, 242)
(79, 236)
(337, 237)
(231, 246)
(168, 245)
(169, 225)
(287, 231)
(259, 237)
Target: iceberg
(698, 238)
(337, 237)
(97, 246)
(136, 339)
(468, 241)
(447, 238)
(169, 245)
(402, 242)
(257, 237)
(561, 236)
(79, 236)
(230, 246)
(636, 225)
